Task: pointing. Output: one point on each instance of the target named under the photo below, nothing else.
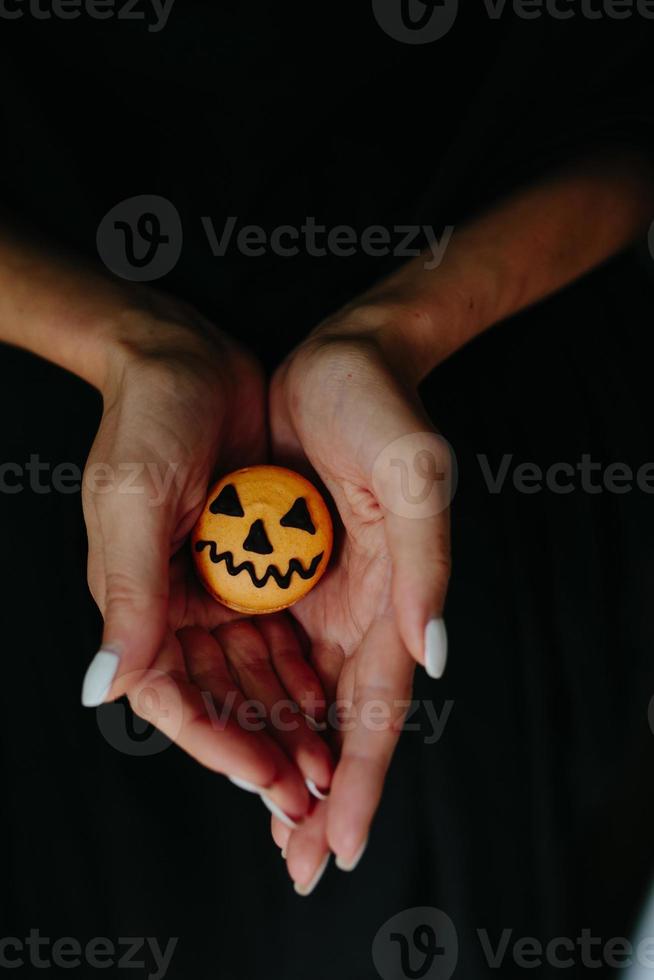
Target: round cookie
(263, 539)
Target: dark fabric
(534, 810)
(258, 111)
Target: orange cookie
(263, 539)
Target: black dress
(533, 811)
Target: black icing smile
(283, 581)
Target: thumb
(129, 558)
(413, 480)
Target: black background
(534, 811)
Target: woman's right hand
(182, 402)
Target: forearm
(64, 310)
(525, 248)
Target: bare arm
(525, 248)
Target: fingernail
(350, 865)
(243, 784)
(278, 812)
(99, 678)
(313, 789)
(251, 788)
(317, 726)
(435, 647)
(309, 887)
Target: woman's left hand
(340, 408)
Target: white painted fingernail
(243, 784)
(435, 647)
(313, 789)
(350, 865)
(99, 677)
(251, 788)
(317, 726)
(309, 887)
(278, 812)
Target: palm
(356, 590)
(338, 408)
(191, 663)
(351, 594)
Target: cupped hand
(181, 403)
(340, 407)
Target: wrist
(151, 343)
(413, 333)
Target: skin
(178, 415)
(388, 577)
(177, 392)
(352, 386)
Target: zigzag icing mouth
(283, 581)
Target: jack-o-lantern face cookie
(263, 539)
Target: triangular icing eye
(298, 516)
(227, 502)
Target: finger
(129, 569)
(280, 833)
(271, 774)
(208, 669)
(189, 603)
(307, 851)
(382, 693)
(295, 674)
(412, 479)
(164, 696)
(420, 552)
(248, 656)
(327, 659)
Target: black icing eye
(227, 502)
(298, 516)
